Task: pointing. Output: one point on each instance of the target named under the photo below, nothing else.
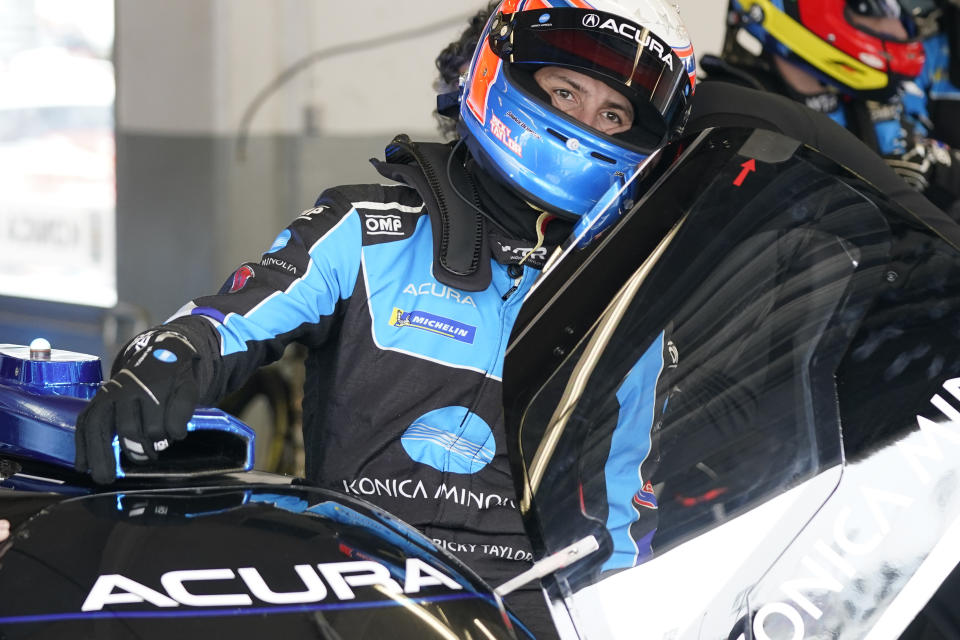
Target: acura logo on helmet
(591, 20)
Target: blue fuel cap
(42, 370)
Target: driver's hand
(147, 403)
(4, 530)
(916, 165)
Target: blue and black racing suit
(933, 98)
(402, 402)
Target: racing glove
(147, 403)
(933, 169)
(917, 164)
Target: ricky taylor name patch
(434, 324)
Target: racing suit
(932, 99)
(402, 402)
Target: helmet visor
(883, 19)
(632, 59)
(875, 8)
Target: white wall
(194, 66)
(705, 20)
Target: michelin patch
(433, 323)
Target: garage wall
(190, 208)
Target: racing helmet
(640, 48)
(831, 39)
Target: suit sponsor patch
(280, 242)
(446, 327)
(240, 278)
(387, 224)
(310, 213)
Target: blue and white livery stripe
(629, 447)
(329, 277)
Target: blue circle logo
(164, 356)
(450, 439)
(544, 17)
(280, 242)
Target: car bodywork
(746, 392)
(197, 544)
(749, 394)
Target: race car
(733, 414)
(748, 392)
(197, 544)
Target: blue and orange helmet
(638, 47)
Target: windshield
(696, 398)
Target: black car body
(802, 437)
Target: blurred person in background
(405, 294)
(851, 60)
(934, 97)
(452, 63)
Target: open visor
(891, 9)
(628, 57)
(876, 8)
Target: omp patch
(383, 224)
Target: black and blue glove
(933, 169)
(147, 403)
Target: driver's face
(588, 100)
(886, 26)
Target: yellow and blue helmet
(833, 40)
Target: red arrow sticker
(748, 167)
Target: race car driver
(452, 63)
(716, 104)
(406, 294)
(935, 100)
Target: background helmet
(638, 47)
(823, 36)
